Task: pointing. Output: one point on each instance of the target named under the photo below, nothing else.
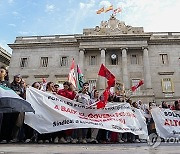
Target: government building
(4, 57)
(128, 52)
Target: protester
(4, 81)
(177, 105)
(11, 123)
(36, 85)
(31, 135)
(94, 131)
(66, 92)
(118, 97)
(84, 98)
(56, 88)
(17, 118)
(46, 138)
(164, 105)
(151, 126)
(132, 137)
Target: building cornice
(123, 37)
(42, 44)
(164, 42)
(5, 54)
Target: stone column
(81, 60)
(102, 80)
(147, 74)
(125, 68)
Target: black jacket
(5, 84)
(18, 89)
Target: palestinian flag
(11, 102)
(80, 78)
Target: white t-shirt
(83, 98)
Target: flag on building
(108, 9)
(80, 78)
(118, 10)
(140, 83)
(100, 10)
(11, 102)
(72, 76)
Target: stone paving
(137, 148)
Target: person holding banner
(84, 98)
(164, 105)
(177, 105)
(56, 88)
(47, 137)
(31, 134)
(94, 131)
(67, 91)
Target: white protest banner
(167, 122)
(54, 113)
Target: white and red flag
(140, 83)
(44, 83)
(72, 76)
(118, 10)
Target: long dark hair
(176, 104)
(164, 105)
(6, 78)
(48, 85)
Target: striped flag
(44, 84)
(133, 88)
(100, 10)
(72, 76)
(109, 8)
(80, 78)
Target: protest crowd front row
(69, 116)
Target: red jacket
(67, 93)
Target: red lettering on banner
(56, 107)
(63, 108)
(96, 116)
(122, 121)
(169, 122)
(176, 122)
(81, 114)
(166, 122)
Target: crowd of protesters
(13, 129)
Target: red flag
(133, 88)
(111, 82)
(103, 99)
(105, 73)
(72, 76)
(117, 10)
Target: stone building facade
(130, 53)
(4, 57)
